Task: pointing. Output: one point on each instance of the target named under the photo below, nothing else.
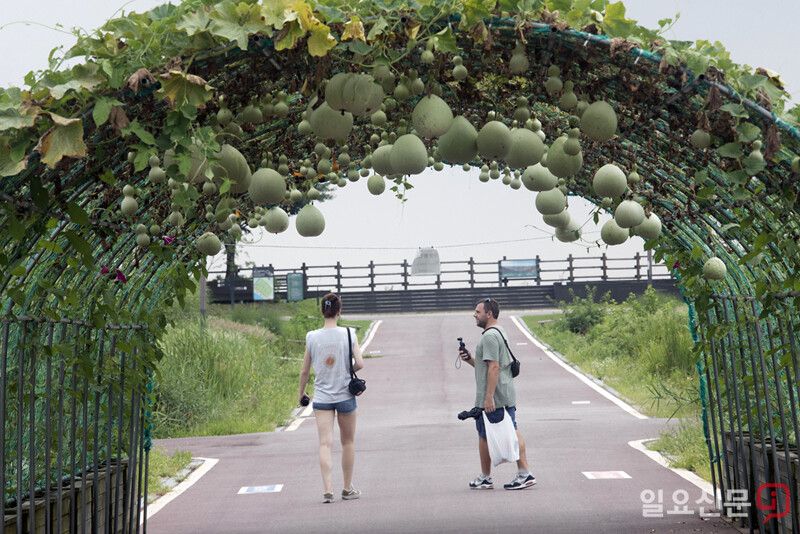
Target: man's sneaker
(481, 483)
(350, 494)
(521, 482)
(327, 497)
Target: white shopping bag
(502, 439)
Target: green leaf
(179, 89)
(748, 132)
(194, 22)
(321, 39)
(730, 150)
(82, 246)
(12, 117)
(377, 29)
(697, 62)
(50, 246)
(65, 139)
(615, 23)
(706, 193)
(77, 214)
(750, 82)
(16, 229)
(136, 129)
(738, 177)
(356, 47)
(445, 41)
(83, 77)
(39, 194)
(237, 22)
(700, 177)
(108, 177)
(8, 166)
(736, 110)
(102, 109)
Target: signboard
(426, 263)
(263, 283)
(294, 287)
(519, 269)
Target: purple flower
(169, 239)
(121, 277)
(103, 269)
(676, 265)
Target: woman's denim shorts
(343, 407)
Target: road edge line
(371, 334)
(687, 475)
(175, 492)
(616, 400)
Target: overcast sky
(450, 210)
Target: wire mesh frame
(753, 446)
(61, 442)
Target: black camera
(463, 348)
(470, 414)
(305, 400)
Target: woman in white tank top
(327, 351)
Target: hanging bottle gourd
(427, 56)
(484, 175)
(599, 121)
(754, 162)
(494, 172)
(281, 108)
(402, 91)
(142, 239)
(224, 115)
(522, 113)
(700, 139)
(568, 100)
(572, 146)
(581, 106)
(129, 206)
(352, 172)
(156, 175)
(251, 114)
(415, 85)
(519, 63)
(506, 176)
(304, 128)
(459, 70)
(378, 118)
(633, 176)
(313, 194)
(553, 84)
(267, 107)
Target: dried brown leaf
(174, 63)
(141, 79)
(772, 138)
(118, 119)
(620, 44)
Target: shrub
(580, 315)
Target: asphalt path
(414, 458)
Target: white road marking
(630, 409)
(521, 343)
(246, 490)
(370, 336)
(295, 424)
(704, 485)
(160, 503)
(581, 402)
(605, 475)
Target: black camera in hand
(463, 348)
(305, 400)
(473, 413)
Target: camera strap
(504, 340)
(350, 356)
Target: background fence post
(638, 259)
(649, 266)
(538, 271)
(338, 277)
(371, 275)
(571, 269)
(471, 272)
(605, 267)
(405, 275)
(304, 270)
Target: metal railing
(75, 438)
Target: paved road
(414, 458)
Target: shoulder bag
(515, 362)
(357, 385)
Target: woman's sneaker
(327, 497)
(350, 494)
(521, 482)
(481, 483)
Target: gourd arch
(154, 82)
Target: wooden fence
(454, 274)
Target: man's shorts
(495, 417)
(343, 407)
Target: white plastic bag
(502, 439)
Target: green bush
(581, 314)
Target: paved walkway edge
(602, 391)
(196, 475)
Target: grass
(161, 467)
(643, 349)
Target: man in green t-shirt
(494, 391)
